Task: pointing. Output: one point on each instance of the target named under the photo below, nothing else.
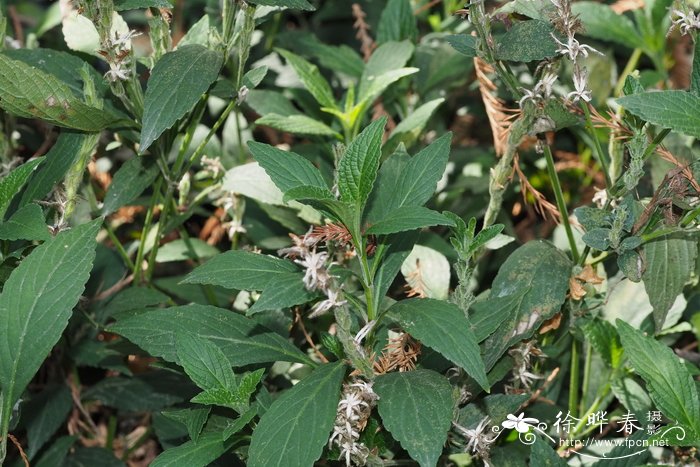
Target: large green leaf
(293, 4)
(288, 290)
(287, 169)
(176, 84)
(409, 181)
(416, 408)
(668, 381)
(410, 128)
(669, 263)
(298, 125)
(442, 326)
(527, 41)
(242, 340)
(31, 93)
(193, 419)
(296, 427)
(387, 58)
(542, 269)
(695, 73)
(132, 178)
(408, 218)
(12, 182)
(602, 22)
(397, 22)
(669, 109)
(237, 269)
(308, 73)
(36, 303)
(207, 448)
(357, 169)
(44, 414)
(26, 224)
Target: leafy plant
(278, 232)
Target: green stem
(596, 143)
(561, 204)
(118, 245)
(629, 68)
(145, 231)
(586, 374)
(574, 377)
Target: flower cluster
(566, 22)
(479, 438)
(351, 418)
(316, 274)
(117, 52)
(523, 363)
(685, 22)
(542, 90)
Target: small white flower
(580, 83)
(685, 22)
(242, 94)
(328, 304)
(316, 276)
(572, 48)
(521, 423)
(364, 331)
(478, 438)
(123, 41)
(234, 226)
(600, 198)
(528, 95)
(118, 71)
(212, 165)
(544, 85)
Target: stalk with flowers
(266, 235)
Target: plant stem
(145, 231)
(561, 204)
(586, 374)
(598, 149)
(574, 378)
(629, 68)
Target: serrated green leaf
(409, 181)
(602, 22)
(132, 298)
(400, 246)
(314, 82)
(176, 84)
(31, 93)
(669, 263)
(376, 85)
(409, 129)
(204, 362)
(207, 448)
(341, 58)
(632, 266)
(286, 291)
(238, 424)
(298, 125)
(408, 218)
(598, 238)
(193, 419)
(132, 178)
(11, 183)
(121, 5)
(668, 109)
(590, 218)
(695, 73)
(56, 163)
(36, 303)
(463, 43)
(442, 326)
(486, 316)
(527, 41)
(545, 270)
(388, 57)
(668, 381)
(604, 339)
(265, 102)
(185, 249)
(243, 340)
(27, 224)
(292, 4)
(416, 408)
(287, 169)
(44, 414)
(397, 22)
(237, 269)
(542, 455)
(296, 427)
(144, 392)
(357, 169)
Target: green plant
(264, 227)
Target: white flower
(544, 85)
(528, 95)
(118, 71)
(478, 438)
(580, 83)
(329, 303)
(600, 198)
(573, 48)
(364, 331)
(234, 226)
(685, 22)
(123, 41)
(212, 165)
(521, 423)
(316, 276)
(352, 414)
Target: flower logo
(520, 423)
